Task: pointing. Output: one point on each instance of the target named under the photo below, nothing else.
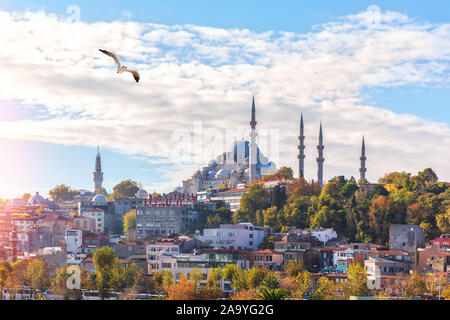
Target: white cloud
(200, 73)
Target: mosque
(245, 163)
(241, 165)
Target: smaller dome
(178, 189)
(37, 199)
(99, 198)
(222, 173)
(234, 172)
(212, 163)
(142, 194)
(212, 173)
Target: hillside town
(237, 229)
(177, 238)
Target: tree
(221, 216)
(285, 172)
(271, 281)
(62, 193)
(325, 289)
(129, 225)
(247, 294)
(183, 290)
(271, 217)
(124, 189)
(271, 294)
(303, 284)
(414, 285)
(278, 197)
(356, 280)
(5, 270)
(196, 275)
(59, 285)
(294, 268)
(104, 263)
(36, 276)
(214, 277)
(255, 199)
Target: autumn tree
(62, 193)
(182, 290)
(414, 285)
(356, 284)
(37, 276)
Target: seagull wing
(112, 55)
(136, 75)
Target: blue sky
(44, 164)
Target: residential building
(240, 236)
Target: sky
(384, 75)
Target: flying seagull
(120, 68)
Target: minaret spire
(363, 159)
(98, 174)
(253, 149)
(301, 148)
(320, 159)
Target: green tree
(62, 193)
(271, 294)
(255, 199)
(278, 196)
(104, 262)
(271, 281)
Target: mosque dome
(37, 199)
(142, 194)
(234, 172)
(178, 189)
(212, 163)
(99, 199)
(212, 173)
(222, 173)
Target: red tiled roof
(267, 251)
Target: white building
(243, 235)
(323, 235)
(74, 240)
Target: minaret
(363, 159)
(253, 153)
(98, 174)
(320, 159)
(301, 148)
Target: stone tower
(363, 159)
(98, 174)
(320, 159)
(253, 157)
(301, 148)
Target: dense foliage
(355, 214)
